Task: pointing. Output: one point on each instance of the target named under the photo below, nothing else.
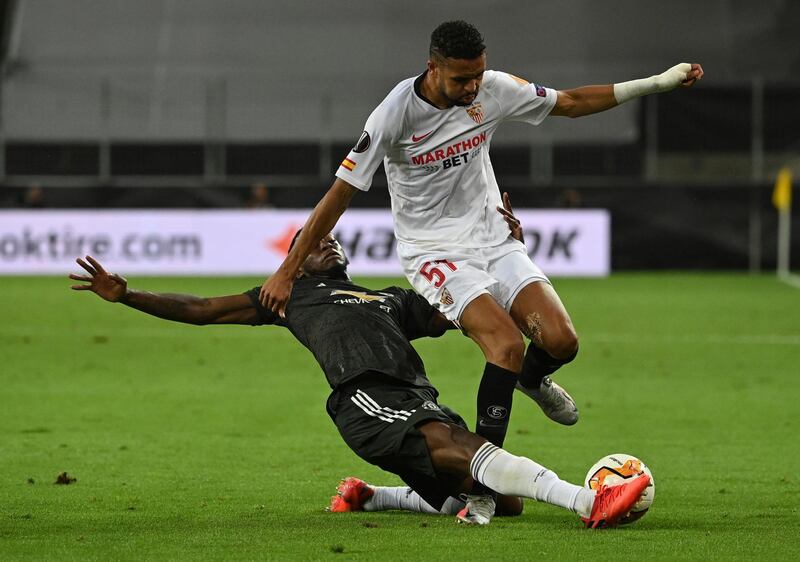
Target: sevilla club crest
(475, 112)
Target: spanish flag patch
(349, 164)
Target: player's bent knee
(565, 345)
(507, 352)
(495, 332)
(451, 447)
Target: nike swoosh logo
(415, 138)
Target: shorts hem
(522, 284)
(465, 302)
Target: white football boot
(478, 511)
(554, 401)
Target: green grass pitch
(213, 442)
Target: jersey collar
(418, 91)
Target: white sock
(403, 497)
(519, 476)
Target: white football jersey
(442, 186)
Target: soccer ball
(615, 469)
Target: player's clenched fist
(275, 293)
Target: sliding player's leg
(354, 494)
(455, 451)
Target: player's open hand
(108, 286)
(513, 222)
(275, 293)
(695, 74)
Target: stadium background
(213, 443)
(189, 104)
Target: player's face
(327, 259)
(458, 80)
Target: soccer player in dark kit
(382, 402)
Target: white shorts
(451, 278)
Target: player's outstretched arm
(276, 290)
(233, 309)
(587, 100)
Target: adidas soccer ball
(615, 469)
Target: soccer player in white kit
(433, 134)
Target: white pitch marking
(791, 280)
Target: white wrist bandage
(664, 82)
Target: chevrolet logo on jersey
(362, 297)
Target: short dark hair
(456, 40)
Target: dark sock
(494, 403)
(479, 489)
(538, 364)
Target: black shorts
(378, 420)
